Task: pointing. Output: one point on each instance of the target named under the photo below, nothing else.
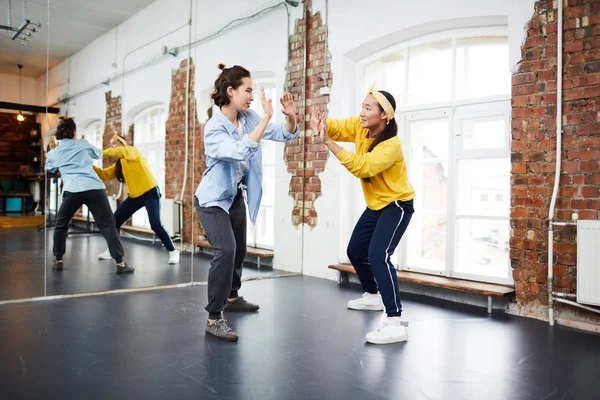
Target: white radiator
(588, 262)
(169, 214)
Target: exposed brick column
(534, 144)
(305, 166)
(112, 124)
(175, 148)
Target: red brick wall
(305, 166)
(113, 124)
(14, 143)
(175, 148)
(534, 144)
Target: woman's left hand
(288, 104)
(323, 128)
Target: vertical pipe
(559, 84)
(187, 122)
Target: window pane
(427, 242)
(140, 219)
(484, 133)
(268, 186)
(482, 67)
(250, 233)
(264, 230)
(430, 73)
(268, 152)
(483, 247)
(480, 182)
(429, 166)
(388, 74)
(429, 139)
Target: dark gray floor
(21, 263)
(303, 344)
(22, 266)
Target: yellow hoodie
(136, 170)
(384, 165)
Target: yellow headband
(120, 139)
(383, 101)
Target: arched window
(453, 109)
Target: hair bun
(222, 66)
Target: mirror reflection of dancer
(379, 164)
(234, 164)
(74, 159)
(133, 169)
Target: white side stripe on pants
(387, 257)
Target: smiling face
(114, 142)
(242, 97)
(371, 116)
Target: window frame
(456, 109)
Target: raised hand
(288, 104)
(315, 121)
(267, 104)
(323, 127)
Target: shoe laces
(387, 322)
(222, 325)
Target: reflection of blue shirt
(75, 159)
(225, 149)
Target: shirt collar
(228, 124)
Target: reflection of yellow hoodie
(136, 170)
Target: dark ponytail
(119, 171)
(229, 77)
(66, 128)
(390, 130)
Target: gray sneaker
(221, 331)
(240, 305)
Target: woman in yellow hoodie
(379, 164)
(133, 169)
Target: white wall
(9, 89)
(357, 29)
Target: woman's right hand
(318, 124)
(315, 121)
(267, 104)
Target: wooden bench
(487, 289)
(253, 251)
(124, 227)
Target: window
(149, 139)
(262, 234)
(453, 96)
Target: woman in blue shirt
(234, 166)
(74, 159)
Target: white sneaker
(174, 257)
(368, 301)
(391, 330)
(105, 256)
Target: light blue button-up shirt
(75, 159)
(225, 150)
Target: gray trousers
(227, 236)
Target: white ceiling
(73, 25)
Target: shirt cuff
(252, 145)
(289, 135)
